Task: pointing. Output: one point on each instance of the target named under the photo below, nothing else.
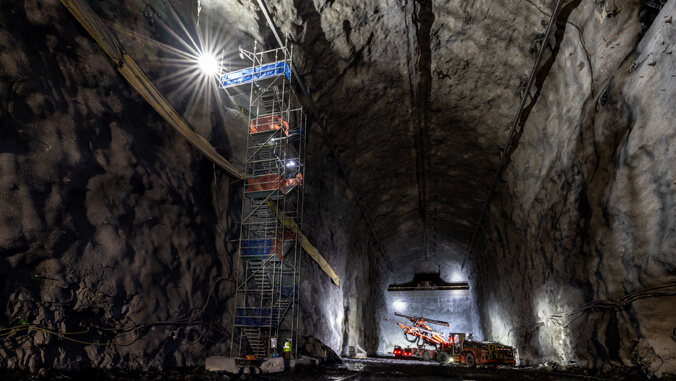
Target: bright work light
(208, 64)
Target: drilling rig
(456, 348)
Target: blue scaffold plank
(256, 318)
(289, 292)
(260, 247)
(258, 73)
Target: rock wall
(420, 94)
(114, 229)
(112, 221)
(339, 316)
(345, 316)
(585, 211)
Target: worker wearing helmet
(287, 350)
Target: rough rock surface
(110, 219)
(111, 223)
(337, 316)
(273, 365)
(419, 97)
(315, 348)
(587, 209)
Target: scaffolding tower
(268, 268)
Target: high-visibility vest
(287, 347)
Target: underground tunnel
(222, 189)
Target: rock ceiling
(419, 97)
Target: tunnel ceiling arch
(419, 97)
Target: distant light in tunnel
(399, 305)
(290, 163)
(457, 276)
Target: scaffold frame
(267, 300)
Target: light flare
(208, 64)
(188, 60)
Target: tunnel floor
(387, 368)
(375, 369)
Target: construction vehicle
(457, 348)
(416, 353)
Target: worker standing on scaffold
(287, 350)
